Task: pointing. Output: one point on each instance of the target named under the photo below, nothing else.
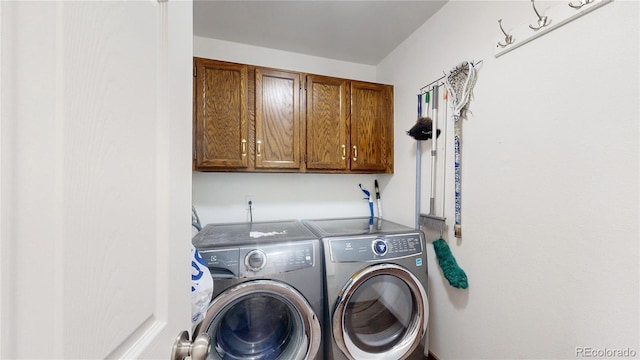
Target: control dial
(255, 260)
(380, 247)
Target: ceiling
(356, 31)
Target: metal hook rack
(508, 39)
(437, 82)
(580, 4)
(548, 20)
(542, 20)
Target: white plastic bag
(201, 287)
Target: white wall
(255, 55)
(220, 197)
(550, 181)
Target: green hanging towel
(454, 274)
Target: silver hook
(508, 39)
(580, 4)
(542, 20)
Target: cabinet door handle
(244, 147)
(344, 152)
(355, 153)
(259, 148)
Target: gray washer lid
(355, 226)
(217, 235)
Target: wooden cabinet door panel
(277, 119)
(327, 123)
(221, 114)
(371, 132)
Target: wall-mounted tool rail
(543, 22)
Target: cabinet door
(221, 126)
(327, 123)
(371, 127)
(277, 119)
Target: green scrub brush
(454, 274)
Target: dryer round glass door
(262, 320)
(382, 314)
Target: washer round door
(262, 320)
(381, 314)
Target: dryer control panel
(259, 260)
(371, 248)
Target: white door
(95, 178)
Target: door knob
(201, 347)
(183, 347)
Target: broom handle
(418, 170)
(434, 135)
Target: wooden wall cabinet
(349, 125)
(278, 124)
(221, 126)
(371, 127)
(249, 118)
(327, 115)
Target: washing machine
(268, 299)
(376, 281)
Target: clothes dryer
(376, 281)
(268, 298)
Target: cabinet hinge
(194, 154)
(194, 71)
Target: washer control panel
(255, 260)
(370, 248)
(260, 260)
(380, 247)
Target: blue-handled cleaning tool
(368, 198)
